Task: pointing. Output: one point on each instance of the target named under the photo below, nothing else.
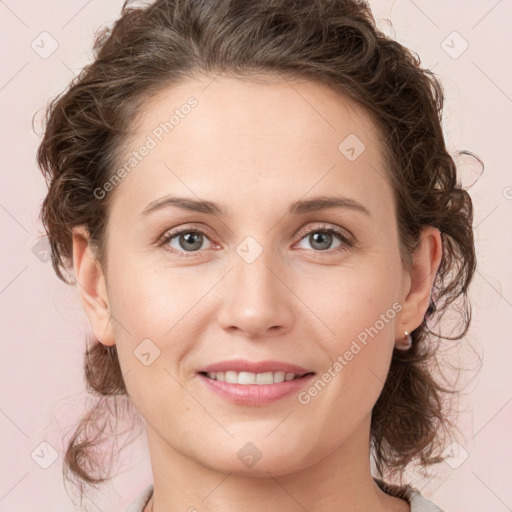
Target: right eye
(187, 240)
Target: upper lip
(242, 365)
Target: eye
(187, 240)
(321, 238)
(181, 241)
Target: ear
(92, 287)
(420, 278)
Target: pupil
(320, 238)
(192, 240)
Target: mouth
(245, 388)
(248, 378)
(254, 383)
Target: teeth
(252, 378)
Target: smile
(254, 389)
(244, 378)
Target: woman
(263, 221)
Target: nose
(256, 300)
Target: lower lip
(255, 394)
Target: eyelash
(348, 242)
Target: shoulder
(419, 503)
(141, 500)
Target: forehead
(262, 106)
(209, 134)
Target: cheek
(349, 299)
(154, 333)
(359, 354)
(151, 299)
(356, 308)
(150, 309)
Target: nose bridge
(255, 300)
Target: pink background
(43, 324)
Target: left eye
(323, 237)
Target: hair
(331, 42)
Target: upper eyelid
(326, 226)
(171, 233)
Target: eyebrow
(300, 207)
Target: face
(257, 278)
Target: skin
(255, 148)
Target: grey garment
(418, 502)
(141, 500)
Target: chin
(259, 458)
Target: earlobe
(416, 297)
(92, 287)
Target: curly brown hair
(333, 42)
